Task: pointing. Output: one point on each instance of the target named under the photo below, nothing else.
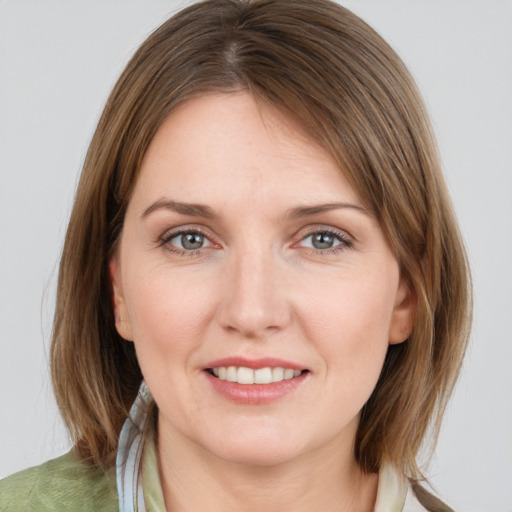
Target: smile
(255, 381)
(244, 375)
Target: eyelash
(164, 240)
(345, 243)
(167, 237)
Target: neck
(327, 478)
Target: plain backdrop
(58, 62)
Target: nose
(255, 301)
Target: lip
(254, 394)
(254, 364)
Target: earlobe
(404, 311)
(122, 320)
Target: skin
(257, 288)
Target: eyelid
(324, 228)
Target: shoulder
(64, 483)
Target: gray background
(58, 62)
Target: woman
(263, 296)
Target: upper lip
(255, 364)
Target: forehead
(229, 146)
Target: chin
(256, 455)
(256, 447)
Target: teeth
(230, 374)
(262, 376)
(288, 374)
(244, 375)
(277, 374)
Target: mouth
(245, 375)
(255, 381)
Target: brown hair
(352, 93)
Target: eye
(326, 241)
(187, 242)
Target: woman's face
(246, 256)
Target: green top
(60, 484)
(66, 483)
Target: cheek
(357, 308)
(350, 325)
(168, 319)
(167, 316)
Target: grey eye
(322, 240)
(189, 241)
(192, 241)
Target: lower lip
(255, 394)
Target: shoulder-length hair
(317, 61)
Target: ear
(123, 324)
(403, 313)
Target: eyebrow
(201, 210)
(192, 209)
(305, 211)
